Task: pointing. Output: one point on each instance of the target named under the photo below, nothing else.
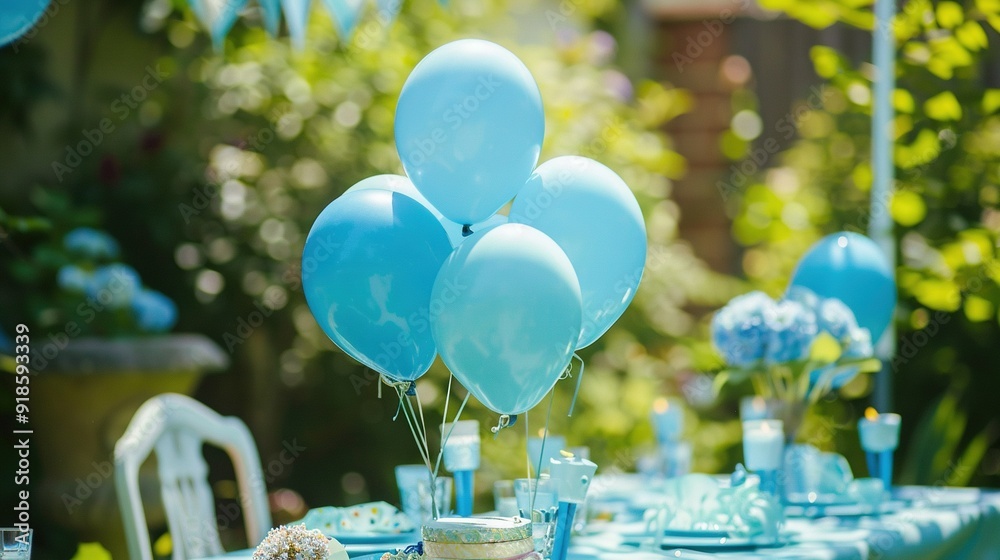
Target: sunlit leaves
(908, 208)
(943, 107)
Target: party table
(935, 523)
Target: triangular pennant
(297, 17)
(226, 13)
(271, 11)
(345, 15)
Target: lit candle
(879, 438)
(763, 445)
(879, 432)
(755, 408)
(668, 420)
(553, 444)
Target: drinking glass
(538, 500)
(504, 499)
(415, 494)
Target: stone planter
(82, 400)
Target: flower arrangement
(795, 349)
(294, 542)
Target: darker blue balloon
(368, 267)
(852, 268)
(18, 16)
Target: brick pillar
(689, 53)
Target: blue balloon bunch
(399, 269)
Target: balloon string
(447, 436)
(545, 438)
(413, 429)
(424, 453)
(447, 399)
(579, 381)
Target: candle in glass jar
(879, 432)
(668, 419)
(755, 408)
(763, 445)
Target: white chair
(176, 427)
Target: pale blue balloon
(18, 16)
(402, 185)
(368, 267)
(591, 213)
(469, 128)
(505, 312)
(852, 268)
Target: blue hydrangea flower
(805, 296)
(153, 311)
(836, 318)
(791, 329)
(73, 279)
(859, 343)
(92, 243)
(739, 329)
(114, 285)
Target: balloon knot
(505, 421)
(466, 230)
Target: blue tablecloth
(937, 524)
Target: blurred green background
(211, 178)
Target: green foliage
(944, 205)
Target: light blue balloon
(852, 268)
(594, 217)
(368, 266)
(402, 185)
(505, 312)
(469, 128)
(18, 16)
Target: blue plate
(399, 539)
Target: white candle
(879, 432)
(763, 445)
(755, 408)
(572, 476)
(668, 419)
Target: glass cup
(415, 494)
(504, 499)
(538, 500)
(16, 544)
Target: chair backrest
(176, 427)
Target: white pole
(880, 227)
